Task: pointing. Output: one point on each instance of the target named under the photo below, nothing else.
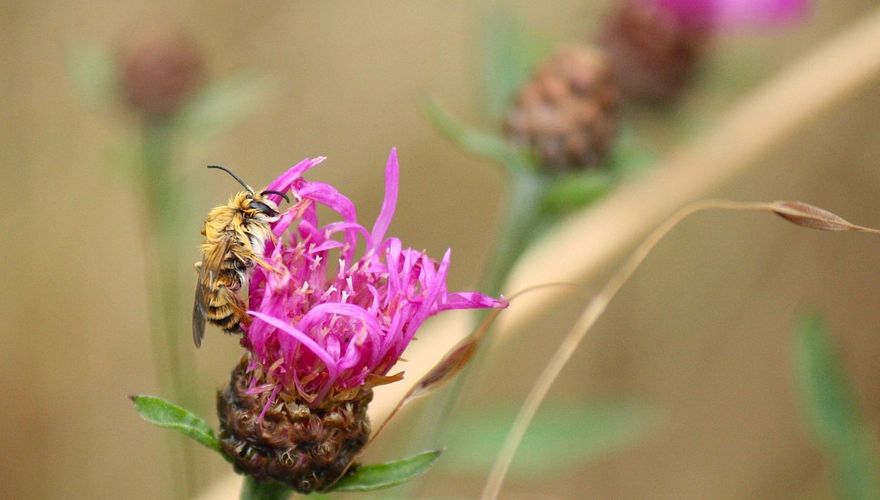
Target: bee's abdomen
(230, 321)
(226, 309)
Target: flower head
(329, 321)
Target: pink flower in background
(734, 14)
(326, 322)
(655, 45)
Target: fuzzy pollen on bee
(235, 236)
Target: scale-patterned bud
(305, 448)
(567, 111)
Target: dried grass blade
(803, 214)
(449, 366)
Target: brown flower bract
(305, 448)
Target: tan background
(704, 329)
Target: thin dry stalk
(796, 212)
(459, 356)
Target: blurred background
(700, 342)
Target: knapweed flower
(655, 45)
(331, 314)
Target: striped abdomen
(225, 308)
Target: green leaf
(557, 438)
(480, 143)
(830, 403)
(630, 155)
(511, 54)
(221, 103)
(93, 71)
(579, 189)
(375, 477)
(574, 191)
(164, 414)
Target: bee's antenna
(279, 193)
(230, 172)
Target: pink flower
(733, 14)
(326, 322)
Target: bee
(235, 236)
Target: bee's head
(259, 205)
(252, 203)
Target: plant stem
(519, 225)
(163, 217)
(252, 489)
(163, 220)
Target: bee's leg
(239, 309)
(198, 266)
(265, 265)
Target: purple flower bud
(656, 45)
(734, 14)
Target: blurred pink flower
(327, 323)
(734, 14)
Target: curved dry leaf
(447, 368)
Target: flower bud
(159, 71)
(308, 449)
(567, 111)
(654, 49)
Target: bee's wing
(212, 262)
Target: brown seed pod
(305, 448)
(567, 112)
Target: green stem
(163, 220)
(519, 225)
(263, 490)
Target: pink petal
(300, 336)
(732, 14)
(285, 180)
(326, 194)
(389, 203)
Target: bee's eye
(259, 206)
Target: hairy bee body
(235, 237)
